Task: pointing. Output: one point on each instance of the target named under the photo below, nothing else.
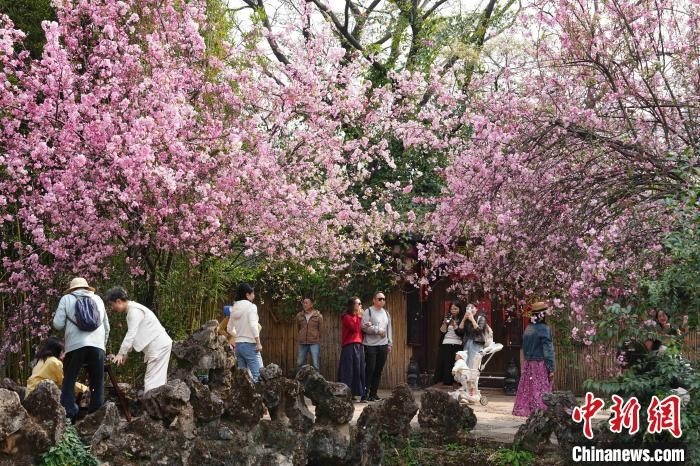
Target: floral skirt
(534, 381)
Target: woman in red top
(351, 371)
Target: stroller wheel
(484, 401)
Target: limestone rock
(284, 399)
(44, 405)
(205, 349)
(184, 422)
(535, 433)
(131, 395)
(281, 445)
(26, 445)
(9, 384)
(222, 452)
(207, 405)
(22, 438)
(333, 400)
(167, 401)
(225, 433)
(366, 446)
(242, 403)
(442, 418)
(136, 441)
(392, 415)
(12, 414)
(270, 372)
(100, 425)
(559, 408)
(328, 446)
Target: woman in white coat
(244, 323)
(145, 333)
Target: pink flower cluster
(130, 140)
(575, 143)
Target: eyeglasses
(381, 299)
(357, 303)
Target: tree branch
(258, 4)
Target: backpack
(87, 315)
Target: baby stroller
(469, 378)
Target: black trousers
(375, 358)
(445, 363)
(94, 360)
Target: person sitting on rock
(50, 367)
(145, 334)
(222, 329)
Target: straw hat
(78, 282)
(539, 306)
(538, 309)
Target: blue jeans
(315, 350)
(248, 358)
(472, 347)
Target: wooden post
(120, 395)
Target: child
(50, 367)
(467, 377)
(460, 372)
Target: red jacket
(352, 329)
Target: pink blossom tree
(577, 142)
(131, 140)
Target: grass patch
(512, 457)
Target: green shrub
(69, 451)
(512, 457)
(656, 374)
(407, 454)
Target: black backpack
(87, 315)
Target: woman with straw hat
(538, 370)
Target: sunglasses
(381, 299)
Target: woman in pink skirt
(538, 370)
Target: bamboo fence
(279, 340)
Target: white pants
(157, 358)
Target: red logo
(625, 415)
(665, 415)
(586, 412)
(661, 415)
